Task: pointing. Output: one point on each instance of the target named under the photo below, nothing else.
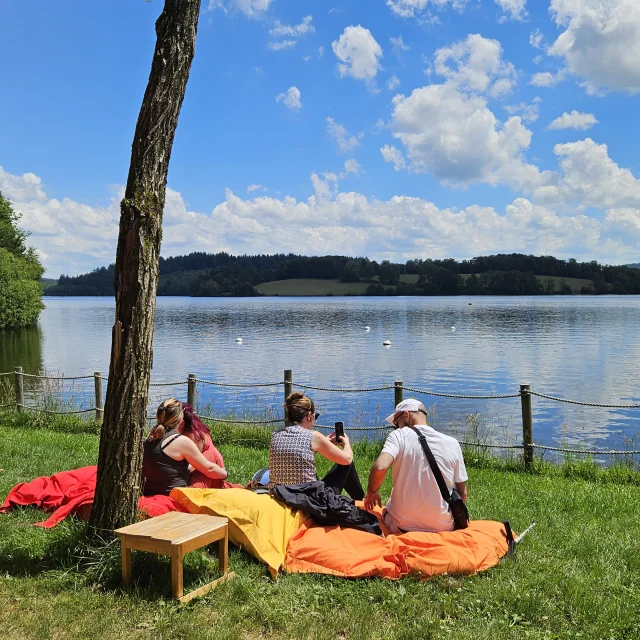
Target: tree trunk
(136, 271)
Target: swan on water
(387, 343)
(239, 340)
(367, 328)
(453, 328)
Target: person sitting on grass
(416, 503)
(178, 452)
(292, 451)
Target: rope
(166, 384)
(2, 406)
(234, 421)
(322, 426)
(9, 373)
(33, 375)
(587, 451)
(492, 446)
(308, 386)
(587, 404)
(452, 395)
(58, 413)
(247, 385)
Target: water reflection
(587, 348)
(21, 347)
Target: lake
(578, 347)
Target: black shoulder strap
(437, 474)
(167, 442)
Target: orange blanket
(354, 554)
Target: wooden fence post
(527, 425)
(97, 379)
(288, 388)
(19, 390)
(398, 392)
(191, 389)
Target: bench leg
(176, 574)
(126, 562)
(223, 553)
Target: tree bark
(136, 271)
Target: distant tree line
(221, 274)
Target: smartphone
(339, 429)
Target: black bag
(457, 507)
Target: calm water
(584, 348)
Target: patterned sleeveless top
(291, 458)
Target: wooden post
(288, 388)
(191, 389)
(19, 390)
(398, 392)
(527, 425)
(97, 379)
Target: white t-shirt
(415, 503)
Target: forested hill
(202, 274)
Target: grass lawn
(577, 575)
(311, 287)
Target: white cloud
(341, 136)
(574, 120)
(359, 54)
(478, 65)
(416, 8)
(28, 186)
(294, 31)
(256, 187)
(351, 166)
(536, 39)
(514, 9)
(393, 82)
(350, 223)
(284, 44)
(528, 112)
(458, 139)
(74, 238)
(601, 42)
(291, 99)
(590, 178)
(398, 45)
(393, 155)
(250, 8)
(544, 79)
(321, 52)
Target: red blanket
(68, 492)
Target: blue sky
(397, 129)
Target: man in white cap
(416, 503)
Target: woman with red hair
(178, 452)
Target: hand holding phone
(339, 431)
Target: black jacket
(325, 506)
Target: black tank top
(160, 472)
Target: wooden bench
(175, 534)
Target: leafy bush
(20, 273)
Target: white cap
(410, 404)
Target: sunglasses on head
(316, 415)
(395, 418)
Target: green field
(576, 576)
(311, 287)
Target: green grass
(311, 287)
(576, 576)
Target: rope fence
(525, 394)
